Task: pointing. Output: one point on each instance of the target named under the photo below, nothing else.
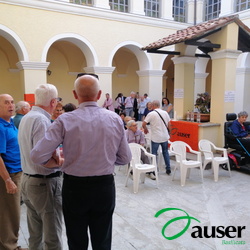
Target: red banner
(187, 132)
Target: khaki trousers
(9, 214)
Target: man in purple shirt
(93, 141)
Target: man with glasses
(41, 187)
(93, 141)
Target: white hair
(130, 123)
(20, 105)
(44, 93)
(156, 103)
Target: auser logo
(202, 232)
(187, 217)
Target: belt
(56, 174)
(87, 178)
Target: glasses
(87, 74)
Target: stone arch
(16, 41)
(82, 43)
(144, 60)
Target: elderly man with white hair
(160, 127)
(41, 187)
(22, 108)
(135, 135)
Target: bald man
(93, 141)
(10, 175)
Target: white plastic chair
(139, 169)
(179, 149)
(208, 148)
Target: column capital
(99, 70)
(22, 65)
(226, 53)
(184, 59)
(159, 73)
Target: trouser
(43, 199)
(88, 203)
(9, 214)
(129, 112)
(164, 146)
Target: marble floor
(223, 203)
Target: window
(179, 10)
(83, 2)
(212, 9)
(151, 8)
(119, 5)
(242, 5)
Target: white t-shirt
(159, 132)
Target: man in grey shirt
(41, 187)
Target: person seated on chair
(238, 127)
(135, 135)
(241, 130)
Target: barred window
(83, 2)
(212, 9)
(151, 8)
(179, 10)
(119, 5)
(242, 5)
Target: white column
(200, 76)
(101, 4)
(105, 79)
(190, 12)
(227, 7)
(166, 9)
(200, 11)
(199, 84)
(150, 82)
(137, 7)
(242, 88)
(32, 74)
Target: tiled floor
(225, 203)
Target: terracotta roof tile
(196, 31)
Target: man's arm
(10, 185)
(123, 155)
(144, 125)
(169, 127)
(43, 152)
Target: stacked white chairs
(208, 149)
(179, 149)
(139, 169)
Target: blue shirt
(9, 148)
(93, 141)
(239, 130)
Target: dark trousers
(88, 203)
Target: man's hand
(55, 161)
(10, 186)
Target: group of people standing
(93, 141)
(135, 105)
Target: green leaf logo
(187, 217)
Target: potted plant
(202, 105)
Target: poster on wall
(178, 93)
(229, 96)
